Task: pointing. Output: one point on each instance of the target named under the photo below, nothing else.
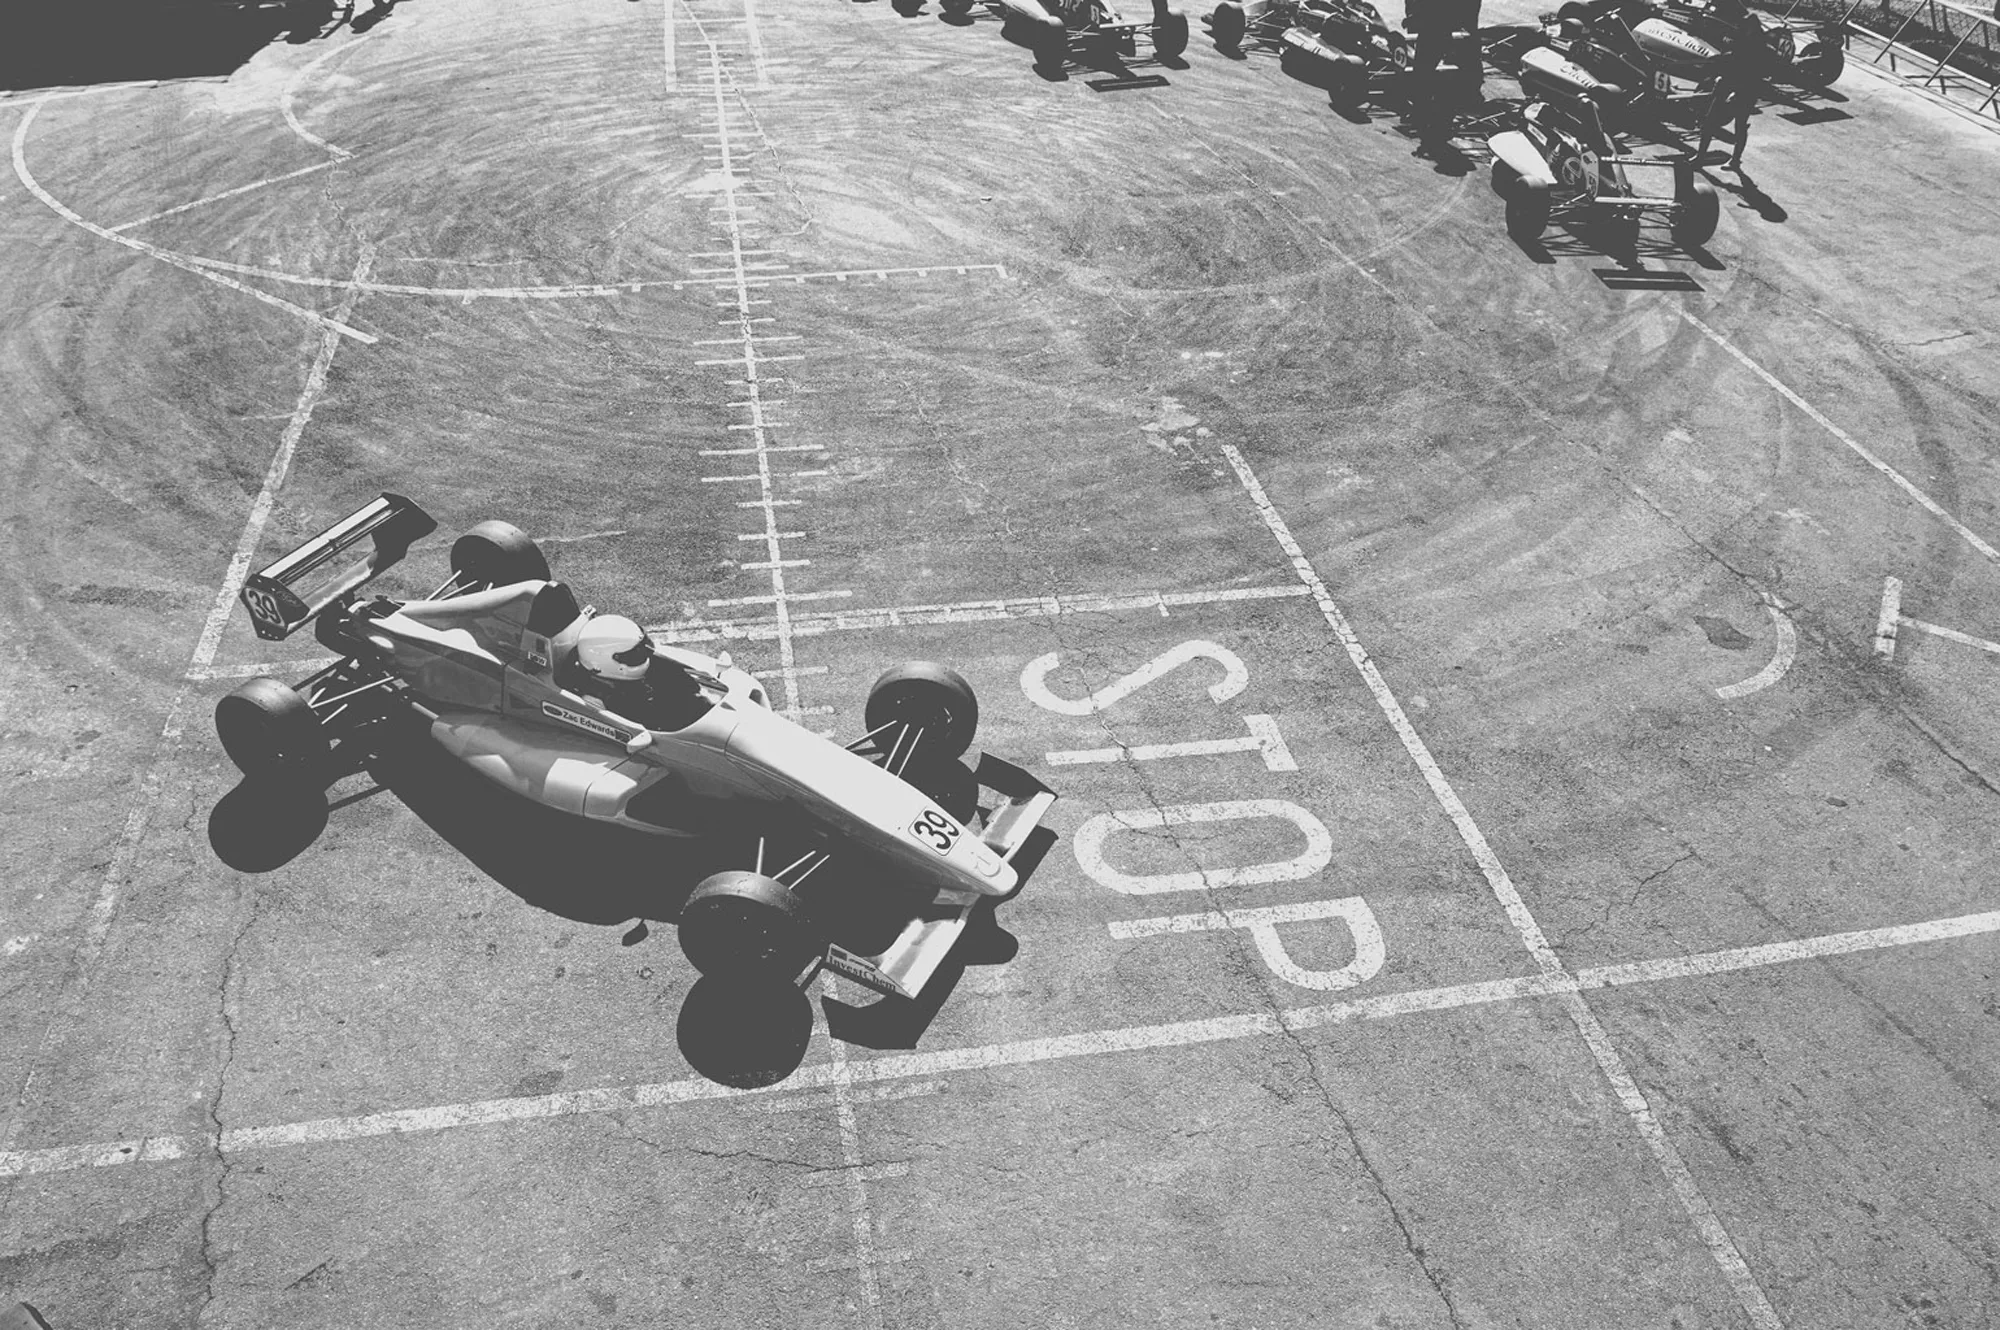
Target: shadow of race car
(485, 669)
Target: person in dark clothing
(1738, 85)
(1435, 23)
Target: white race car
(485, 666)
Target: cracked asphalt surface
(1554, 510)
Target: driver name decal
(591, 723)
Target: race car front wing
(906, 965)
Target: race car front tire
(949, 783)
(498, 554)
(269, 730)
(931, 697)
(1527, 208)
(1170, 35)
(1695, 221)
(741, 925)
(1227, 25)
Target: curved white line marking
(166, 256)
(290, 92)
(1788, 641)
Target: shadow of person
(1746, 189)
(379, 11)
(744, 1034)
(262, 825)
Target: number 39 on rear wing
(291, 591)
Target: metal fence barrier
(1951, 48)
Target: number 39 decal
(935, 830)
(263, 605)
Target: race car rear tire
(741, 925)
(1694, 224)
(1527, 210)
(269, 730)
(1824, 66)
(1170, 35)
(1227, 25)
(498, 554)
(933, 697)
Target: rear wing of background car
(288, 593)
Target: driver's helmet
(613, 648)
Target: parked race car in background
(1054, 28)
(1560, 163)
(1685, 41)
(485, 669)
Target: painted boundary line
(1609, 1062)
(1896, 477)
(842, 621)
(969, 611)
(165, 256)
(987, 1057)
(82, 967)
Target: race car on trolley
(1680, 45)
(1559, 162)
(1055, 28)
(583, 713)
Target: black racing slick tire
(269, 730)
(1527, 210)
(949, 783)
(1824, 66)
(740, 925)
(1227, 25)
(1170, 35)
(498, 554)
(931, 697)
(1694, 223)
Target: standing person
(1738, 85)
(1435, 23)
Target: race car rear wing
(288, 593)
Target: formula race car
(1686, 41)
(1347, 34)
(485, 668)
(1559, 162)
(1055, 27)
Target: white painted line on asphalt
(1780, 661)
(1263, 738)
(97, 925)
(971, 611)
(1885, 624)
(838, 621)
(166, 256)
(1953, 635)
(1896, 477)
(290, 93)
(225, 194)
(887, 1070)
(756, 40)
(1610, 1063)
